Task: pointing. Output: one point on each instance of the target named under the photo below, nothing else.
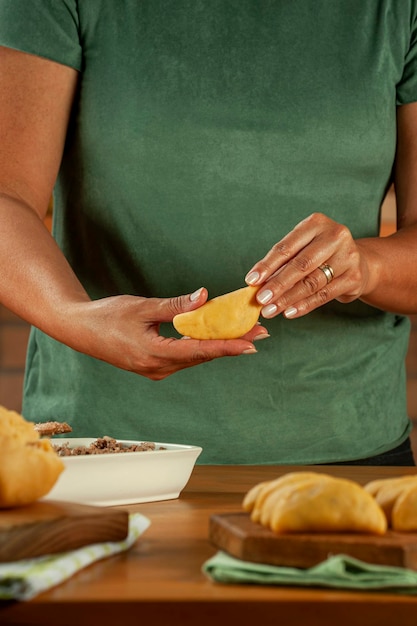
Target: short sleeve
(407, 87)
(46, 28)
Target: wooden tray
(49, 527)
(236, 534)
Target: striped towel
(22, 580)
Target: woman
(195, 143)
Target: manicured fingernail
(265, 296)
(249, 351)
(269, 310)
(195, 296)
(291, 311)
(262, 336)
(252, 278)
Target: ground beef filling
(104, 445)
(46, 429)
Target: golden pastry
(255, 498)
(404, 511)
(337, 505)
(29, 465)
(387, 491)
(314, 502)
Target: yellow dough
(404, 511)
(390, 491)
(314, 502)
(255, 498)
(229, 316)
(29, 466)
(375, 486)
(328, 506)
(275, 497)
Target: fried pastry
(255, 498)
(404, 510)
(390, 491)
(29, 465)
(314, 502)
(337, 505)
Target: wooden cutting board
(236, 534)
(49, 527)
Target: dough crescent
(255, 498)
(404, 511)
(334, 505)
(388, 492)
(314, 502)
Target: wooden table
(159, 581)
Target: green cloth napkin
(339, 571)
(22, 580)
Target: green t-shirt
(203, 131)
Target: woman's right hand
(124, 331)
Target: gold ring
(327, 271)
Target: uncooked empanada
(228, 316)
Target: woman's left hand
(316, 262)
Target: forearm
(37, 282)
(393, 271)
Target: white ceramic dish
(124, 478)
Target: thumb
(170, 307)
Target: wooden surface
(160, 579)
(50, 527)
(237, 535)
